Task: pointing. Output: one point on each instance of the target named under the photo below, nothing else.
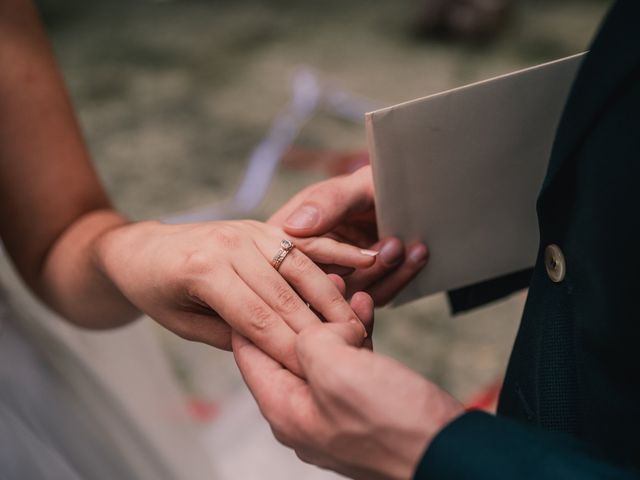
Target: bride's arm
(52, 206)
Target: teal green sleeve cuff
(481, 446)
(476, 445)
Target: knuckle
(227, 236)
(198, 262)
(288, 301)
(260, 318)
(337, 301)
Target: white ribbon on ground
(309, 94)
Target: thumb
(323, 337)
(329, 354)
(326, 205)
(320, 340)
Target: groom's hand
(343, 207)
(358, 413)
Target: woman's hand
(202, 280)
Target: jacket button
(554, 263)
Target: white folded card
(461, 170)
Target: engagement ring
(285, 247)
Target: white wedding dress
(88, 405)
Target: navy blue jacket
(570, 405)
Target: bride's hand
(202, 280)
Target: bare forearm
(72, 281)
(52, 206)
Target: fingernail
(369, 253)
(304, 217)
(418, 254)
(358, 322)
(391, 253)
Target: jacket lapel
(617, 46)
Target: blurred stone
(463, 19)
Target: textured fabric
(575, 366)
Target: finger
(384, 290)
(321, 208)
(331, 252)
(329, 354)
(274, 290)
(308, 280)
(283, 398)
(247, 313)
(362, 304)
(315, 287)
(323, 250)
(327, 336)
(338, 282)
(390, 257)
(269, 383)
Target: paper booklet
(461, 171)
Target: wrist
(439, 410)
(103, 245)
(72, 270)
(118, 256)
(114, 247)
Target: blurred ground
(172, 96)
